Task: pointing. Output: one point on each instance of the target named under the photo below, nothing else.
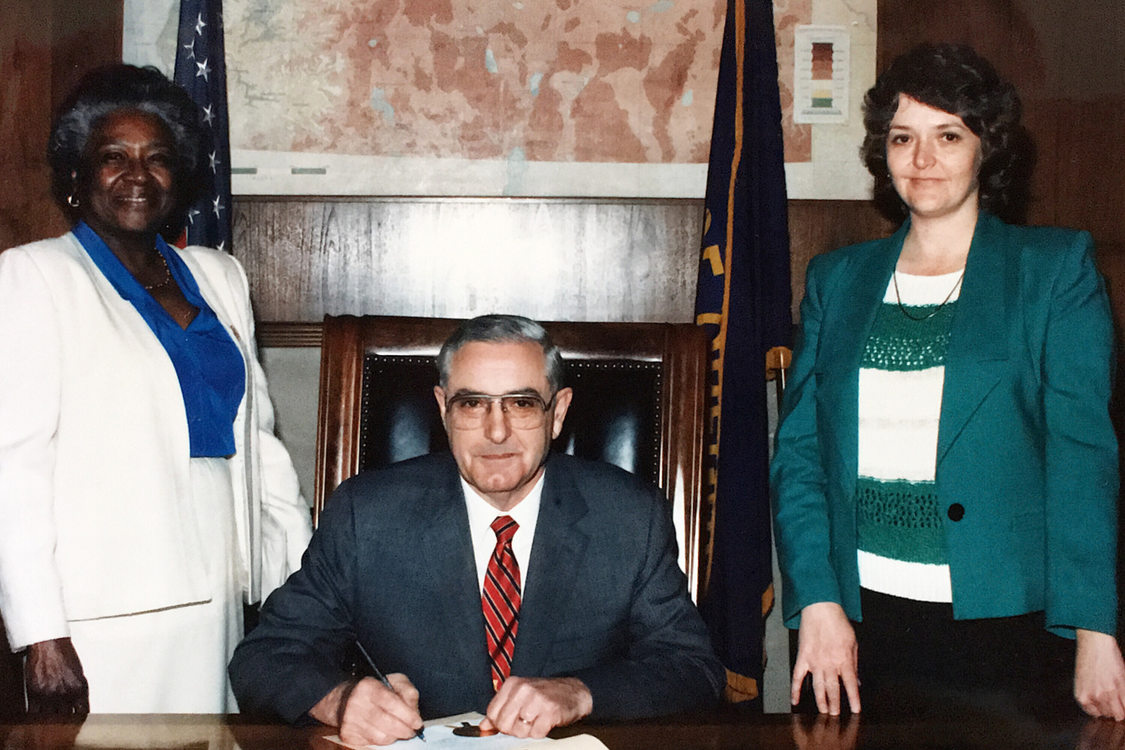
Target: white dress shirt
(482, 514)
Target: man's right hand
(827, 650)
(372, 714)
(54, 679)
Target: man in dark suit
(416, 563)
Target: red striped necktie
(501, 601)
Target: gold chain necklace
(936, 310)
(167, 275)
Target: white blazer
(94, 450)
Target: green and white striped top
(901, 537)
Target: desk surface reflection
(716, 731)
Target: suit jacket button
(956, 512)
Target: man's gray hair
(502, 328)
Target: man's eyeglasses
(524, 411)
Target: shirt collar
(482, 513)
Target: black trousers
(916, 660)
(914, 657)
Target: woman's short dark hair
(126, 87)
(955, 79)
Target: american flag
(202, 71)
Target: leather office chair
(639, 403)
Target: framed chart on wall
(514, 98)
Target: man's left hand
(533, 706)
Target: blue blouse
(207, 362)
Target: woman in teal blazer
(945, 479)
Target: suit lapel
(849, 312)
(556, 556)
(848, 317)
(446, 552)
(978, 342)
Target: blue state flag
(743, 300)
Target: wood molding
(279, 334)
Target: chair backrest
(639, 403)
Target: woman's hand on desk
(826, 650)
(54, 679)
(1099, 675)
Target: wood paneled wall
(547, 259)
(45, 47)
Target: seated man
(535, 588)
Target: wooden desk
(715, 732)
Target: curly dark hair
(955, 79)
(125, 87)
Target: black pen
(386, 683)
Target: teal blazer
(1025, 444)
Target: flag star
(216, 206)
(208, 114)
(203, 70)
(191, 50)
(191, 214)
(214, 161)
(199, 25)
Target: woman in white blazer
(143, 494)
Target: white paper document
(439, 734)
